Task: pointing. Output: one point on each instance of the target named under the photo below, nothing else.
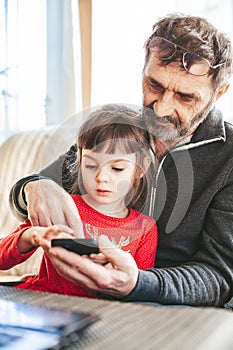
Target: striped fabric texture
(23, 154)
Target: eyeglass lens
(192, 62)
(195, 64)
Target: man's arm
(206, 279)
(56, 171)
(196, 284)
(16, 199)
(41, 198)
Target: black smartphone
(81, 246)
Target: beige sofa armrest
(23, 154)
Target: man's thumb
(105, 245)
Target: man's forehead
(173, 76)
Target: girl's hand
(42, 236)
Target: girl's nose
(102, 175)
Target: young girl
(111, 178)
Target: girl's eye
(117, 169)
(91, 167)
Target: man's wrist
(146, 288)
(16, 201)
(22, 197)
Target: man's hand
(118, 277)
(49, 204)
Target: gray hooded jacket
(194, 213)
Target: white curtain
(22, 65)
(63, 93)
(40, 64)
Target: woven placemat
(135, 326)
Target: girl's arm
(10, 255)
(28, 239)
(22, 243)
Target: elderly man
(187, 68)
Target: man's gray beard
(171, 133)
(161, 133)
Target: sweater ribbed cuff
(146, 288)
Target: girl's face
(107, 178)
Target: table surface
(135, 326)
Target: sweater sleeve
(56, 171)
(10, 256)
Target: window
(22, 65)
(37, 75)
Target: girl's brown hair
(124, 129)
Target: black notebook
(31, 327)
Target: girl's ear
(146, 164)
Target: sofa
(20, 155)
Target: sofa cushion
(23, 154)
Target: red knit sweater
(136, 233)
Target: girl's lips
(103, 192)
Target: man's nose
(164, 105)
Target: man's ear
(146, 164)
(222, 91)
